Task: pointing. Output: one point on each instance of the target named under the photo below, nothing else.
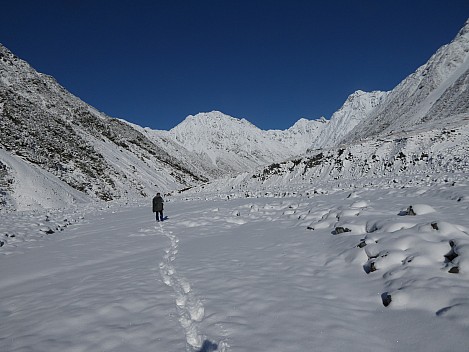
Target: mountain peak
(236, 145)
(214, 120)
(106, 158)
(356, 107)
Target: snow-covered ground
(293, 273)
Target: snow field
(271, 274)
(418, 255)
(87, 289)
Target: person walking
(158, 207)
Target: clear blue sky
(271, 62)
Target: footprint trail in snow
(189, 307)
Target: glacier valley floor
(275, 273)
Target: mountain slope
(418, 159)
(437, 93)
(109, 158)
(356, 108)
(234, 145)
(103, 157)
(419, 130)
(45, 127)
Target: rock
(47, 230)
(369, 267)
(410, 211)
(340, 229)
(451, 255)
(361, 244)
(386, 298)
(454, 270)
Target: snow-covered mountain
(437, 156)
(59, 136)
(368, 230)
(435, 95)
(63, 138)
(356, 108)
(418, 130)
(49, 132)
(234, 145)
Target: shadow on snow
(208, 346)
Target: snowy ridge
(102, 157)
(417, 130)
(423, 158)
(110, 159)
(430, 97)
(199, 163)
(356, 108)
(234, 145)
(359, 246)
(299, 136)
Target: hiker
(158, 207)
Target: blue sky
(271, 62)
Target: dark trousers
(159, 215)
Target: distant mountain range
(56, 149)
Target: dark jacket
(157, 203)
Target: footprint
(185, 286)
(181, 301)
(196, 310)
(190, 309)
